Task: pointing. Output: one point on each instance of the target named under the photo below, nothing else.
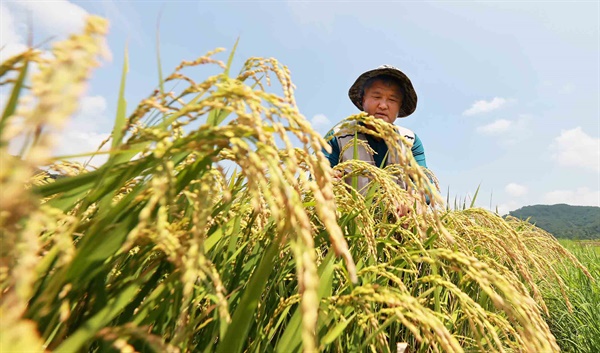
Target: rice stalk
(214, 224)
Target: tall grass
(576, 326)
(160, 249)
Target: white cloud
(567, 88)
(320, 123)
(581, 197)
(506, 207)
(509, 131)
(515, 190)
(575, 148)
(320, 120)
(495, 128)
(11, 43)
(51, 18)
(484, 106)
(83, 133)
(91, 115)
(54, 20)
(72, 142)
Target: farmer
(385, 93)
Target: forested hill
(564, 221)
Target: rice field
(217, 225)
(577, 328)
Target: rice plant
(576, 326)
(217, 225)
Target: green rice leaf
(216, 116)
(475, 197)
(291, 340)
(118, 129)
(238, 330)
(230, 59)
(11, 104)
(337, 330)
(161, 81)
(90, 328)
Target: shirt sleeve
(418, 152)
(334, 156)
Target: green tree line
(562, 220)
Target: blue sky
(508, 91)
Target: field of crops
(575, 324)
(217, 225)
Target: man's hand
(404, 209)
(337, 175)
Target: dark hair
(386, 80)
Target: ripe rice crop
(162, 248)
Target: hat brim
(409, 102)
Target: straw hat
(409, 102)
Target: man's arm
(334, 156)
(419, 152)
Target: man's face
(383, 101)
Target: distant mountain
(563, 221)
